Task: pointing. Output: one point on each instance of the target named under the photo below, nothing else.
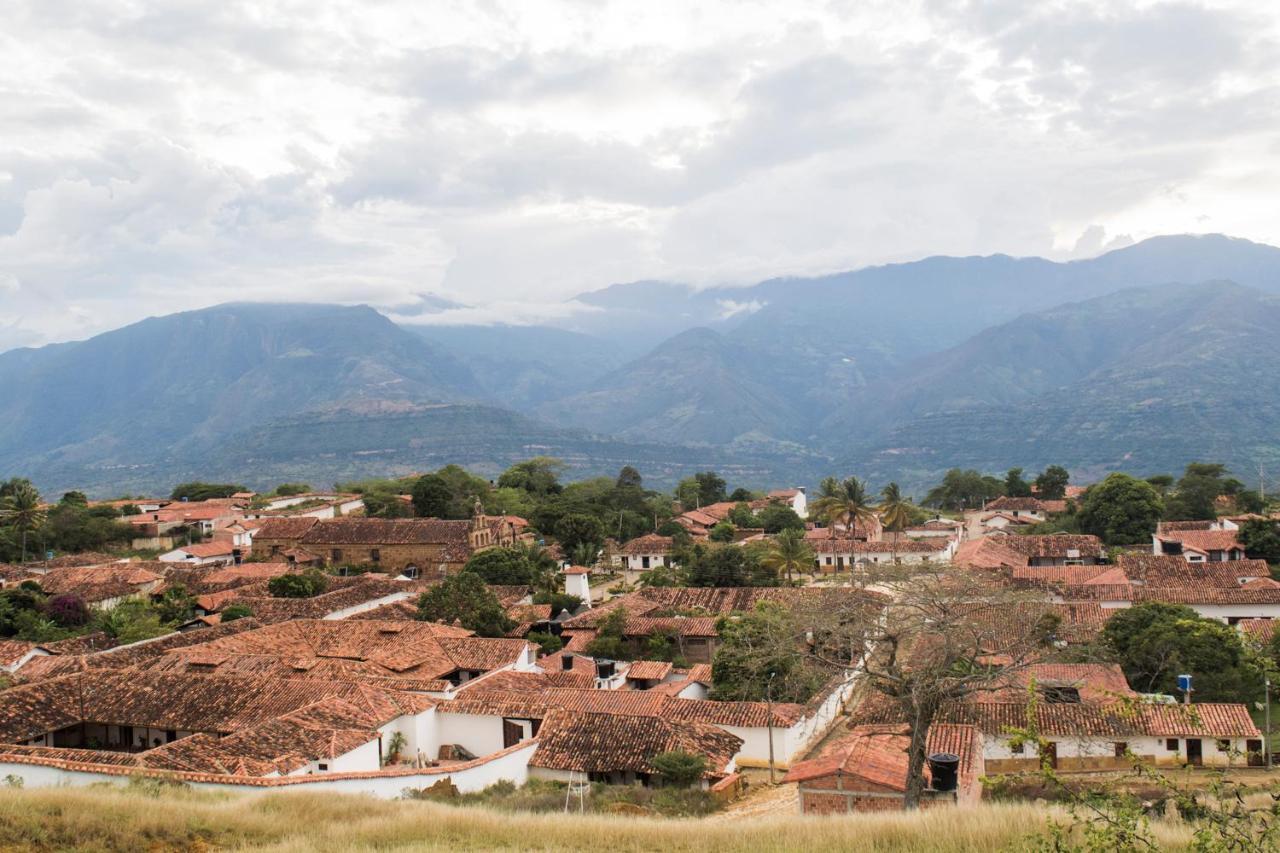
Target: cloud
(158, 156)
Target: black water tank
(566, 662)
(944, 768)
(605, 668)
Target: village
(857, 652)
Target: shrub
(306, 585)
(548, 643)
(68, 611)
(680, 769)
(236, 611)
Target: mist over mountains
(1141, 359)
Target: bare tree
(947, 634)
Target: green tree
(722, 532)
(548, 644)
(287, 490)
(963, 489)
(759, 657)
(1162, 483)
(711, 487)
(680, 769)
(789, 554)
(1052, 482)
(305, 585)
(501, 566)
(464, 598)
(236, 611)
(577, 529)
(176, 605)
(1196, 492)
(1154, 643)
(844, 504)
(537, 476)
(1121, 510)
(742, 516)
(431, 496)
(776, 518)
(896, 512)
(609, 640)
(629, 478)
(1261, 539)
(719, 565)
(1014, 485)
(197, 491)
(21, 510)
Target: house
(946, 528)
(1023, 508)
(414, 547)
(646, 552)
(215, 553)
(833, 555)
(309, 505)
(1057, 549)
(866, 770)
(103, 586)
(795, 498)
(1198, 546)
(619, 749)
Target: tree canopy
(1121, 510)
(464, 598)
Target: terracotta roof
(988, 553)
(649, 670)
(205, 550)
(1182, 526)
(1015, 504)
(1056, 545)
(12, 651)
(1203, 541)
(246, 571)
(278, 527)
(877, 755)
(719, 601)
(1261, 630)
(1060, 574)
(588, 742)
(388, 531)
(650, 544)
(1096, 682)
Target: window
(644, 562)
(322, 767)
(375, 555)
(696, 642)
(1171, 744)
(170, 736)
(1224, 746)
(1017, 748)
(337, 555)
(1121, 749)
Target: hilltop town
(837, 650)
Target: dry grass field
(112, 819)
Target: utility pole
(1262, 479)
(1266, 738)
(768, 695)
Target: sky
(486, 161)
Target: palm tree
(21, 510)
(789, 552)
(542, 567)
(843, 503)
(895, 512)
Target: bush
(502, 566)
(236, 611)
(680, 769)
(68, 611)
(559, 601)
(306, 585)
(548, 643)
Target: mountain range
(1141, 359)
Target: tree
(1163, 483)
(741, 495)
(385, 504)
(776, 518)
(963, 489)
(742, 516)
(1196, 493)
(680, 769)
(464, 598)
(548, 644)
(948, 634)
(577, 529)
(176, 605)
(501, 566)
(236, 611)
(609, 639)
(1051, 485)
(1014, 485)
(722, 532)
(431, 496)
(306, 585)
(1121, 510)
(1261, 539)
(198, 491)
(711, 487)
(789, 553)
(896, 512)
(760, 656)
(719, 565)
(20, 509)
(287, 490)
(843, 504)
(629, 478)
(1155, 643)
(537, 476)
(68, 611)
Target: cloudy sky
(159, 155)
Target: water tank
(944, 769)
(605, 668)
(566, 662)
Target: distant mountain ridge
(893, 372)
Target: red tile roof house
(644, 553)
(217, 553)
(1198, 546)
(866, 770)
(833, 555)
(1032, 508)
(1057, 549)
(1229, 591)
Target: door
(1253, 748)
(1195, 753)
(1051, 752)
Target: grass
(106, 818)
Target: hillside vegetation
(107, 818)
